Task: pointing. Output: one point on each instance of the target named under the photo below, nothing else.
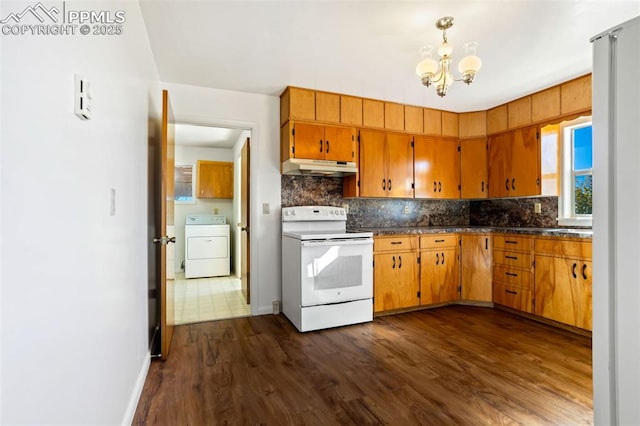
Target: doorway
(209, 298)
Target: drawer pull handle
(486, 243)
(513, 183)
(396, 242)
(389, 184)
(511, 292)
(327, 150)
(506, 184)
(573, 270)
(584, 271)
(439, 241)
(510, 242)
(435, 186)
(384, 184)
(512, 257)
(400, 265)
(320, 145)
(511, 274)
(393, 266)
(437, 258)
(443, 258)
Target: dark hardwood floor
(452, 365)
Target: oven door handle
(338, 242)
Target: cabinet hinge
(418, 295)
(412, 145)
(373, 264)
(293, 131)
(458, 148)
(460, 243)
(358, 184)
(533, 264)
(353, 154)
(353, 137)
(537, 135)
(293, 149)
(459, 289)
(418, 259)
(413, 185)
(459, 187)
(358, 137)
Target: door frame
(199, 120)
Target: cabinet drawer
(395, 243)
(511, 276)
(510, 242)
(513, 297)
(512, 258)
(558, 247)
(439, 240)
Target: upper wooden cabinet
(436, 167)
(351, 110)
(327, 107)
(413, 119)
(214, 179)
(545, 105)
(432, 121)
(297, 104)
(318, 142)
(497, 120)
(514, 163)
(519, 112)
(449, 124)
(393, 116)
(372, 113)
(474, 174)
(472, 124)
(576, 95)
(386, 164)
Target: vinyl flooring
(452, 365)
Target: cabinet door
(436, 167)
(499, 160)
(395, 281)
(308, 141)
(214, 179)
(476, 272)
(525, 162)
(438, 276)
(373, 177)
(339, 143)
(399, 166)
(561, 291)
(473, 168)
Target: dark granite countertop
(543, 232)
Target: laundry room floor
(208, 299)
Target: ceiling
(370, 48)
(206, 137)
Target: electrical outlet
(346, 208)
(537, 208)
(406, 209)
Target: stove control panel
(313, 213)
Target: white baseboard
(137, 391)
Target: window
(567, 169)
(183, 183)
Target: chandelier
(439, 73)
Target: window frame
(193, 185)
(566, 198)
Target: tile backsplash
(390, 212)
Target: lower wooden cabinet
(512, 272)
(439, 269)
(563, 282)
(395, 273)
(476, 261)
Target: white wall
(260, 113)
(74, 278)
(190, 155)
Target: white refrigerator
(616, 225)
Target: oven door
(335, 271)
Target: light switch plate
(537, 207)
(266, 208)
(112, 202)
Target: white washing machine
(206, 246)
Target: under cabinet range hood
(297, 166)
